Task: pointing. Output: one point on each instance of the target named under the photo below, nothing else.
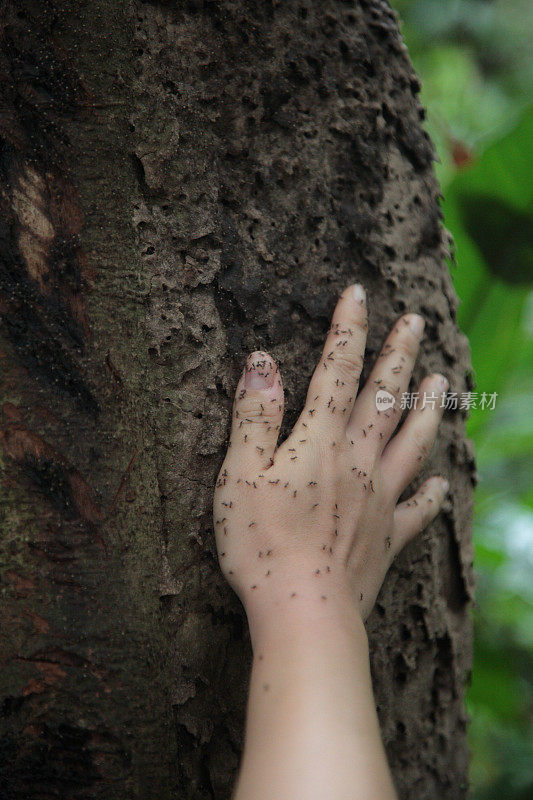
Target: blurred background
(475, 61)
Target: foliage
(472, 56)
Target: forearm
(312, 730)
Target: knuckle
(257, 412)
(405, 347)
(344, 330)
(347, 363)
(359, 322)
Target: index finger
(335, 381)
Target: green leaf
(489, 209)
(494, 683)
(493, 331)
(489, 558)
(505, 168)
(503, 234)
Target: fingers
(257, 413)
(406, 453)
(376, 413)
(333, 387)
(415, 514)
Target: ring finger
(406, 453)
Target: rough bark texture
(183, 182)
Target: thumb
(257, 412)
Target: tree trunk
(182, 183)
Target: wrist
(306, 619)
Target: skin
(305, 535)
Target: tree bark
(182, 183)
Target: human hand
(316, 520)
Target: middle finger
(376, 413)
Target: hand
(316, 521)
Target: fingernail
(445, 485)
(259, 372)
(443, 383)
(359, 293)
(416, 323)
